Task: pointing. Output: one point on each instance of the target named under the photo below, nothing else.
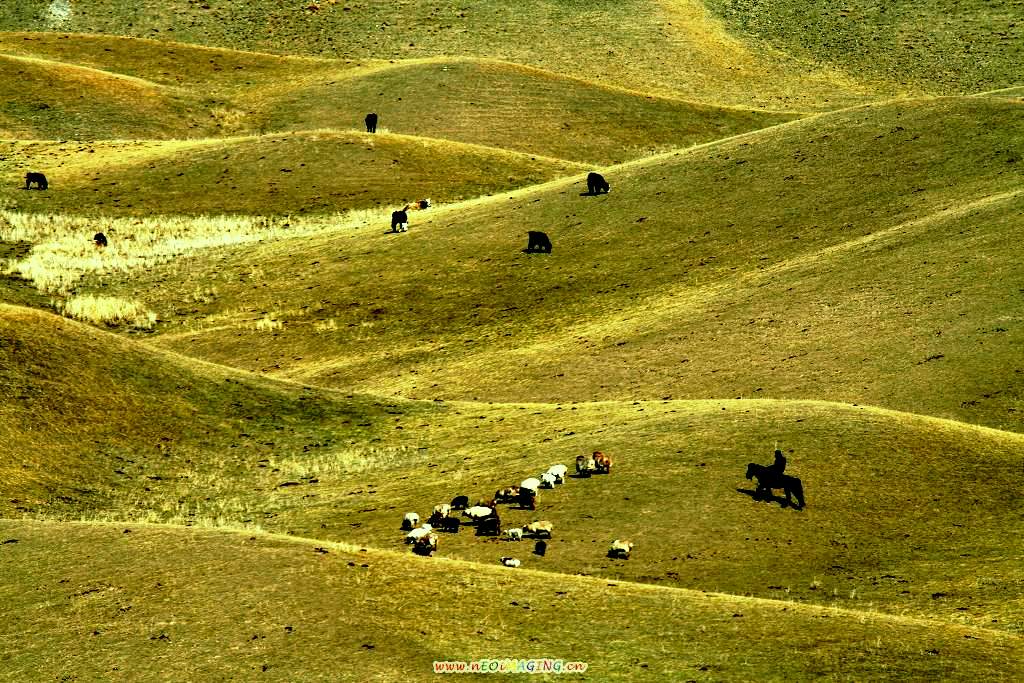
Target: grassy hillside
(52, 100)
(304, 172)
(687, 271)
(665, 48)
(905, 514)
(949, 46)
(503, 105)
(137, 599)
(86, 412)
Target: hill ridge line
(92, 70)
(186, 362)
(583, 579)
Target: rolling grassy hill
(302, 172)
(788, 257)
(669, 48)
(138, 599)
(728, 270)
(901, 508)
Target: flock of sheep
(484, 514)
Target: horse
(768, 479)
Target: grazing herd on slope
(487, 522)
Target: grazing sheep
(410, 521)
(540, 548)
(620, 549)
(602, 462)
(460, 502)
(515, 534)
(510, 562)
(547, 481)
(489, 526)
(507, 495)
(558, 472)
(584, 465)
(425, 545)
(478, 512)
(596, 184)
(38, 178)
(451, 525)
(416, 534)
(530, 484)
(485, 503)
(540, 528)
(444, 508)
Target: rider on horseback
(779, 466)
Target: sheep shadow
(771, 498)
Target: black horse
(768, 478)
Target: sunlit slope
(44, 99)
(662, 47)
(95, 601)
(223, 92)
(680, 282)
(314, 172)
(86, 414)
(905, 514)
(512, 107)
(949, 45)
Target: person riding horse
(779, 466)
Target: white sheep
(478, 512)
(531, 484)
(547, 481)
(539, 527)
(510, 562)
(410, 521)
(558, 472)
(444, 509)
(416, 534)
(514, 534)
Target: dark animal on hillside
(436, 518)
(538, 242)
(451, 525)
(768, 479)
(399, 221)
(490, 526)
(527, 499)
(460, 502)
(596, 184)
(507, 495)
(425, 545)
(418, 205)
(371, 123)
(540, 548)
(38, 178)
(100, 240)
(602, 462)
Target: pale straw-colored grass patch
(107, 310)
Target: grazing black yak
(399, 221)
(371, 123)
(38, 178)
(538, 242)
(596, 184)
